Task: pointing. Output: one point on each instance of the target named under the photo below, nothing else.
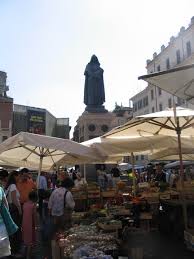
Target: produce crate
(110, 227)
(79, 194)
(109, 194)
(145, 216)
(165, 196)
(94, 193)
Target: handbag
(67, 211)
(8, 221)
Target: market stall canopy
(158, 123)
(169, 154)
(26, 150)
(177, 164)
(177, 81)
(127, 166)
(124, 146)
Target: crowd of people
(158, 173)
(108, 179)
(20, 194)
(29, 201)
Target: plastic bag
(4, 241)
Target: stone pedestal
(92, 125)
(95, 109)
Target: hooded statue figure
(94, 94)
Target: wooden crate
(94, 193)
(165, 196)
(108, 194)
(145, 216)
(110, 227)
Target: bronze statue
(94, 95)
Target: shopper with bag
(7, 226)
(13, 198)
(61, 205)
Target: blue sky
(46, 44)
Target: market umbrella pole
(133, 173)
(85, 172)
(182, 176)
(40, 169)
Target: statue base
(95, 109)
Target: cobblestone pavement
(157, 246)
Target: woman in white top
(13, 198)
(79, 182)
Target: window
(4, 138)
(152, 94)
(158, 68)
(104, 128)
(159, 91)
(135, 107)
(139, 104)
(142, 157)
(188, 48)
(169, 102)
(136, 158)
(167, 63)
(180, 101)
(153, 109)
(160, 106)
(145, 101)
(91, 127)
(178, 56)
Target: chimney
(162, 48)
(172, 39)
(148, 61)
(154, 55)
(182, 29)
(192, 20)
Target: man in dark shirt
(160, 175)
(115, 175)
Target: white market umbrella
(120, 146)
(173, 122)
(165, 123)
(43, 152)
(177, 81)
(169, 154)
(129, 145)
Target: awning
(177, 81)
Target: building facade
(6, 109)
(178, 52)
(39, 121)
